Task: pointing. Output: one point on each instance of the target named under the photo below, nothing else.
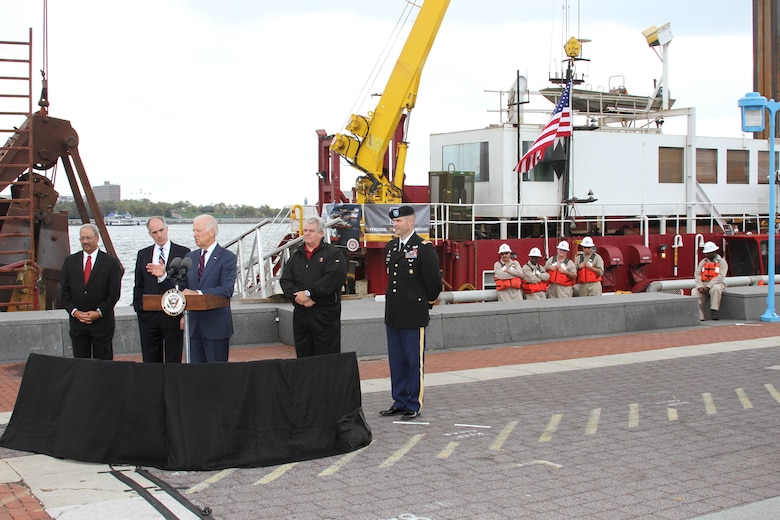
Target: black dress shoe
(410, 414)
(391, 411)
(714, 314)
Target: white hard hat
(535, 252)
(563, 245)
(504, 249)
(587, 242)
(709, 247)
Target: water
(128, 240)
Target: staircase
(19, 273)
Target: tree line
(182, 209)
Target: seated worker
(709, 277)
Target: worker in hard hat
(562, 271)
(508, 275)
(535, 278)
(590, 269)
(709, 277)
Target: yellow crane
(371, 135)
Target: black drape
(189, 417)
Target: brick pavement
(18, 503)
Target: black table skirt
(189, 417)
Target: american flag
(559, 125)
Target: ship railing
(262, 251)
(477, 221)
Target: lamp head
(752, 106)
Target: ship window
(670, 165)
(544, 171)
(706, 166)
(468, 157)
(763, 166)
(737, 166)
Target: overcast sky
(219, 101)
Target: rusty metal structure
(766, 51)
(33, 237)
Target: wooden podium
(195, 302)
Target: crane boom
(371, 135)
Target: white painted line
(411, 422)
(472, 425)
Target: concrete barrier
(363, 330)
(745, 303)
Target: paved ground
(672, 425)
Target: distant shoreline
(77, 222)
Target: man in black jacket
(312, 278)
(414, 282)
(161, 336)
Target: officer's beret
(403, 211)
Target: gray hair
(156, 217)
(211, 222)
(316, 220)
(91, 226)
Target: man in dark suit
(213, 271)
(161, 335)
(90, 284)
(414, 283)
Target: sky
(219, 101)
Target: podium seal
(173, 302)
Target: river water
(128, 240)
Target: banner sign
(376, 223)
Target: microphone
(185, 266)
(173, 267)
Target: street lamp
(753, 106)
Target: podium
(193, 302)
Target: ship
(649, 199)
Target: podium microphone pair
(178, 267)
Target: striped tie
(161, 258)
(201, 264)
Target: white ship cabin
(621, 165)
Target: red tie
(87, 269)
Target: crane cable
(43, 102)
(381, 60)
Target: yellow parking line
(211, 480)
(551, 427)
(743, 398)
(709, 404)
(278, 472)
(395, 457)
(502, 437)
(340, 463)
(593, 421)
(773, 391)
(633, 415)
(448, 450)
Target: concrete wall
(452, 326)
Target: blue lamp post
(753, 106)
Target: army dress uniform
(414, 280)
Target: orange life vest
(559, 278)
(514, 283)
(585, 275)
(530, 288)
(709, 270)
